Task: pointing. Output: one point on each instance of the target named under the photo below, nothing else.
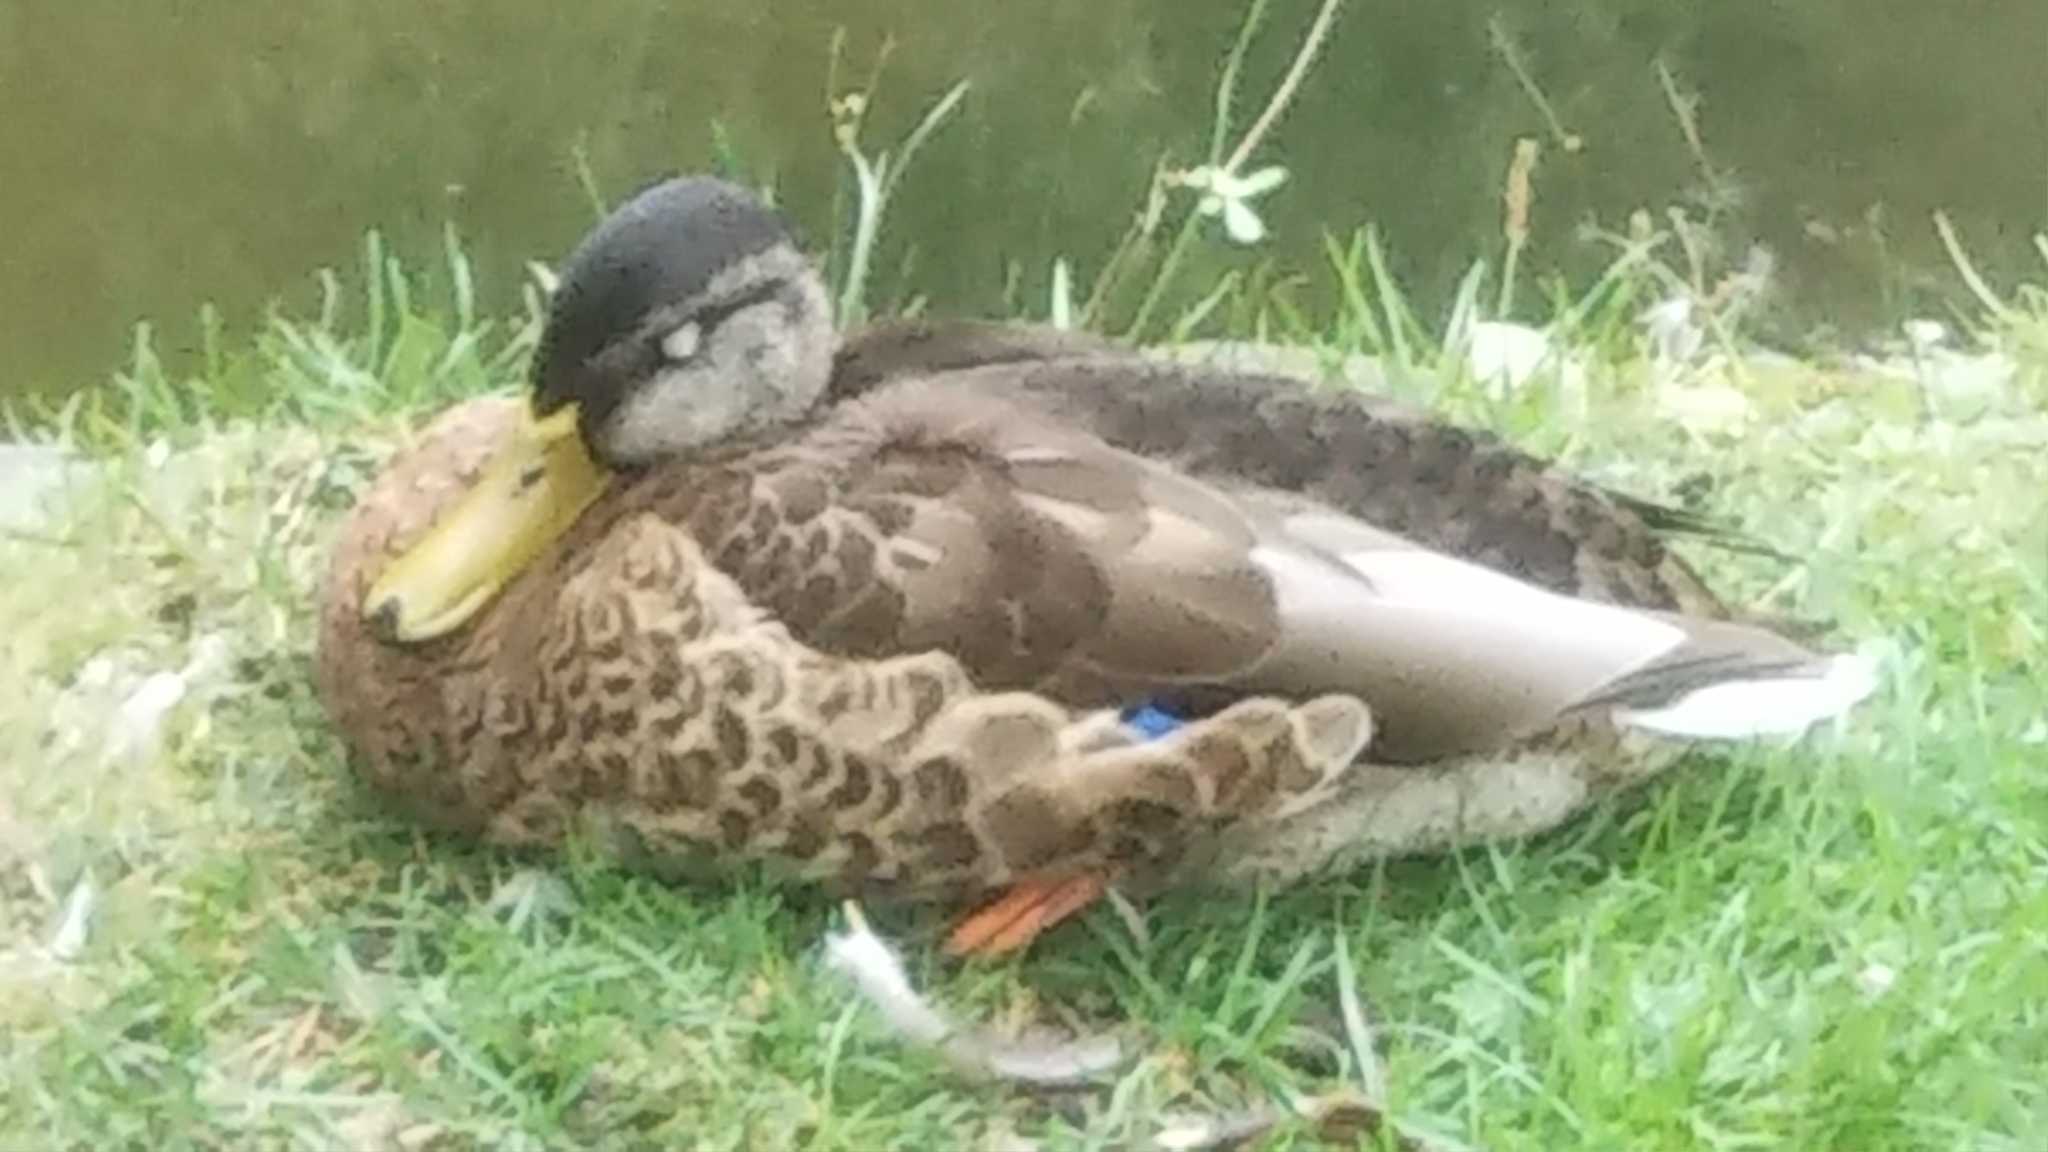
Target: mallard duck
(994, 615)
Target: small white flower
(1229, 195)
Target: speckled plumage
(631, 687)
(885, 643)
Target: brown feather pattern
(882, 647)
(631, 686)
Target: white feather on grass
(878, 975)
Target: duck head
(686, 319)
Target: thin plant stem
(1138, 234)
(1284, 94)
(867, 220)
(1517, 200)
(936, 116)
(1160, 282)
(1968, 270)
(1226, 84)
(586, 178)
(1512, 56)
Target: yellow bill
(529, 495)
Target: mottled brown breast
(625, 687)
(394, 706)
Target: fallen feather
(878, 975)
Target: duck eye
(681, 344)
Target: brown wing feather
(1097, 566)
(1393, 465)
(928, 516)
(1006, 516)
(1460, 491)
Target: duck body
(881, 614)
(632, 689)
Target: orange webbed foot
(1020, 915)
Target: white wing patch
(1773, 706)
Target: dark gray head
(686, 317)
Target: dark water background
(155, 156)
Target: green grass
(272, 961)
(1840, 945)
(1843, 945)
